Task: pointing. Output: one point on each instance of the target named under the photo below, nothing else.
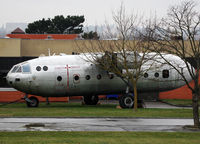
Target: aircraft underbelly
(103, 86)
(147, 85)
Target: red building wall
(180, 93)
(10, 96)
(44, 36)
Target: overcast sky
(95, 11)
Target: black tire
(34, 103)
(126, 101)
(91, 99)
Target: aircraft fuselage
(71, 75)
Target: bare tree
(121, 52)
(179, 34)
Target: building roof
(18, 31)
(44, 36)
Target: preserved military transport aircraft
(71, 75)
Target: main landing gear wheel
(91, 99)
(33, 102)
(126, 101)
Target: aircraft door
(73, 79)
(167, 79)
(60, 80)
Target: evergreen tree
(58, 25)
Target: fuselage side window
(111, 76)
(76, 77)
(45, 68)
(156, 74)
(38, 68)
(146, 75)
(59, 78)
(165, 73)
(26, 68)
(87, 77)
(99, 76)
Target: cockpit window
(26, 68)
(19, 70)
(14, 69)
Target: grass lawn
(179, 102)
(78, 110)
(99, 138)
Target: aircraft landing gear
(91, 99)
(126, 101)
(32, 101)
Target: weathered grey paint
(45, 83)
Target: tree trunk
(195, 105)
(135, 96)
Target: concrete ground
(93, 124)
(98, 124)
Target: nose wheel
(32, 102)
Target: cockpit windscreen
(24, 69)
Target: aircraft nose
(14, 81)
(10, 79)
